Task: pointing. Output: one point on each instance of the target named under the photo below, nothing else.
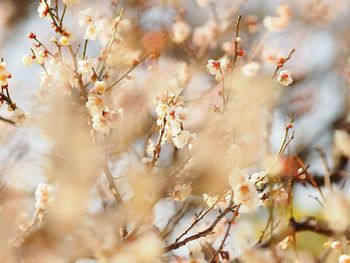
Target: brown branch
(135, 64)
(305, 224)
(199, 217)
(200, 234)
(327, 175)
(27, 231)
(111, 43)
(175, 219)
(8, 121)
(230, 223)
(281, 62)
(110, 178)
(53, 17)
(78, 76)
(111, 183)
(158, 147)
(236, 40)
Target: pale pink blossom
(285, 78)
(219, 67)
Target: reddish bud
(289, 126)
(241, 52)
(31, 35)
(216, 65)
(281, 62)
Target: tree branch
(8, 121)
(203, 233)
(305, 224)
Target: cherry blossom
(219, 67)
(4, 74)
(43, 8)
(43, 196)
(181, 192)
(285, 78)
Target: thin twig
(281, 62)
(135, 64)
(236, 40)
(305, 224)
(327, 175)
(64, 12)
(110, 45)
(53, 17)
(230, 223)
(201, 215)
(26, 231)
(203, 233)
(110, 178)
(85, 48)
(7, 120)
(158, 146)
(175, 219)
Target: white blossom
(285, 78)
(244, 191)
(19, 116)
(85, 17)
(84, 66)
(103, 118)
(40, 57)
(27, 60)
(218, 67)
(93, 27)
(43, 196)
(4, 74)
(64, 41)
(260, 179)
(100, 87)
(162, 110)
(92, 31)
(43, 9)
(181, 192)
(210, 200)
(181, 139)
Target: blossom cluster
(171, 114)
(103, 118)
